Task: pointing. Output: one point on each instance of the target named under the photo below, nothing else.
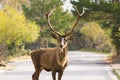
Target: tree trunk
(114, 56)
(3, 48)
(116, 59)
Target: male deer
(53, 59)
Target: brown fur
(49, 59)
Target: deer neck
(62, 56)
(63, 53)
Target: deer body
(53, 59)
(50, 58)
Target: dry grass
(13, 59)
(19, 58)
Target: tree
(15, 29)
(112, 9)
(60, 20)
(94, 37)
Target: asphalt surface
(82, 66)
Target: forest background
(23, 26)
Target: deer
(53, 59)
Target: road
(82, 66)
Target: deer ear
(70, 37)
(54, 35)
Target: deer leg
(60, 75)
(54, 75)
(35, 76)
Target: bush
(94, 37)
(16, 52)
(15, 29)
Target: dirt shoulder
(116, 69)
(11, 60)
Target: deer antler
(79, 16)
(47, 16)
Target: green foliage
(106, 13)
(37, 9)
(94, 37)
(113, 9)
(18, 51)
(15, 29)
(81, 3)
(116, 36)
(95, 13)
(61, 21)
(92, 30)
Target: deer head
(63, 39)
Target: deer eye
(66, 39)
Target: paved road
(82, 66)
